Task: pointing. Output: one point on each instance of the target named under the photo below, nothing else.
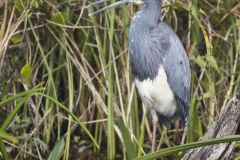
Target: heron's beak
(111, 5)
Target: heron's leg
(155, 122)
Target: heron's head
(119, 3)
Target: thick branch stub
(227, 124)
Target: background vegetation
(65, 84)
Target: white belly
(156, 94)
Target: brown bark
(227, 124)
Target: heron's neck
(151, 13)
(144, 21)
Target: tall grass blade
(22, 94)
(3, 150)
(184, 147)
(111, 133)
(57, 151)
(130, 148)
(6, 136)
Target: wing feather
(176, 65)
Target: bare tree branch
(227, 124)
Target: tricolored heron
(159, 64)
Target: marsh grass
(65, 85)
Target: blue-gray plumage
(159, 64)
(152, 43)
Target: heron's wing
(176, 65)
